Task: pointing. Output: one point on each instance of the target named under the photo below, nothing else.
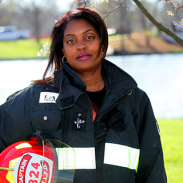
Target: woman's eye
(70, 41)
(89, 37)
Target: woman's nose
(81, 45)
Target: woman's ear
(102, 50)
(63, 52)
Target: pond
(160, 76)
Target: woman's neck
(93, 81)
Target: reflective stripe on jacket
(122, 145)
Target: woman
(89, 104)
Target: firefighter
(91, 105)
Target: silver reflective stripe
(120, 155)
(66, 158)
(84, 158)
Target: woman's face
(81, 45)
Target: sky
(66, 4)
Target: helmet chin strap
(42, 160)
(8, 169)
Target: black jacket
(122, 145)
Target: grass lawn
(20, 49)
(172, 142)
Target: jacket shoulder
(140, 103)
(28, 91)
(21, 92)
(141, 96)
(114, 71)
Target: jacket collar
(71, 86)
(66, 75)
(119, 82)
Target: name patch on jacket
(48, 97)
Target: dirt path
(137, 44)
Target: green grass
(20, 49)
(172, 142)
(174, 51)
(27, 49)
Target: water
(160, 76)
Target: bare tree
(126, 3)
(157, 24)
(37, 15)
(8, 12)
(37, 20)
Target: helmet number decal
(33, 168)
(34, 173)
(35, 165)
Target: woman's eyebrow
(88, 31)
(69, 35)
(83, 32)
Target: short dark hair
(57, 35)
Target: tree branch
(157, 24)
(114, 9)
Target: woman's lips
(83, 56)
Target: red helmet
(27, 162)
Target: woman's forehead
(78, 25)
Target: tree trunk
(36, 24)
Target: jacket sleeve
(15, 118)
(151, 164)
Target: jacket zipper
(90, 104)
(112, 106)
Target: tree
(159, 25)
(38, 13)
(36, 10)
(9, 9)
(34, 15)
(174, 6)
